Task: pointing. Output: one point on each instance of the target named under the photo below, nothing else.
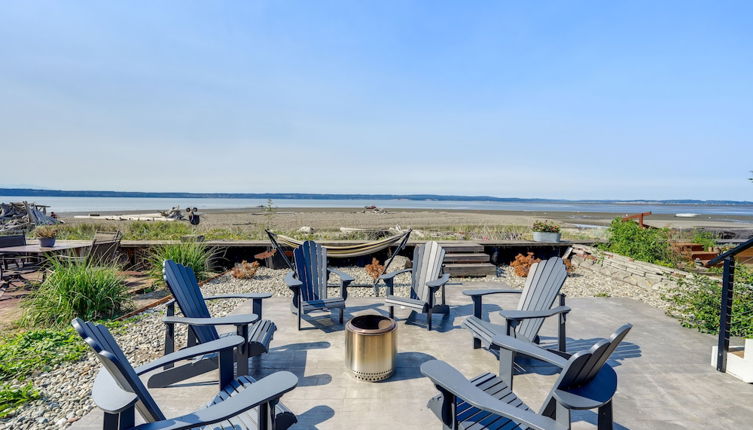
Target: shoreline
(323, 218)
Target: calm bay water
(103, 204)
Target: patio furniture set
(18, 258)
(586, 381)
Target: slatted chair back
(544, 282)
(427, 267)
(311, 270)
(12, 240)
(182, 283)
(104, 248)
(583, 366)
(117, 365)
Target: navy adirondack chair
(426, 280)
(202, 327)
(309, 282)
(488, 401)
(537, 298)
(242, 403)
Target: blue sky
(565, 99)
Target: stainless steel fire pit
(371, 347)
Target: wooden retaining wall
(466, 258)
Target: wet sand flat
(333, 218)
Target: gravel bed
(66, 390)
(586, 283)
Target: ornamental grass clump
(45, 232)
(74, 289)
(197, 256)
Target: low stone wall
(650, 280)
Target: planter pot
(46, 242)
(540, 236)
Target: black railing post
(725, 314)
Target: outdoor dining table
(33, 248)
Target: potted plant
(46, 236)
(546, 231)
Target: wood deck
(463, 258)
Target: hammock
(343, 251)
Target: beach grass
(195, 255)
(157, 230)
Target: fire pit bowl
(371, 347)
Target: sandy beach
(287, 219)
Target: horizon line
(43, 192)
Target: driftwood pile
(173, 213)
(19, 217)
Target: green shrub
(195, 255)
(705, 238)
(696, 302)
(73, 289)
(25, 354)
(38, 351)
(11, 398)
(645, 244)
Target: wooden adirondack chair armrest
(515, 315)
(595, 394)
(435, 284)
(478, 298)
(481, 293)
(240, 296)
(291, 281)
(389, 279)
(263, 391)
(449, 379)
(256, 299)
(227, 342)
(236, 320)
(510, 343)
(108, 395)
(392, 275)
(345, 279)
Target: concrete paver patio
(665, 380)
